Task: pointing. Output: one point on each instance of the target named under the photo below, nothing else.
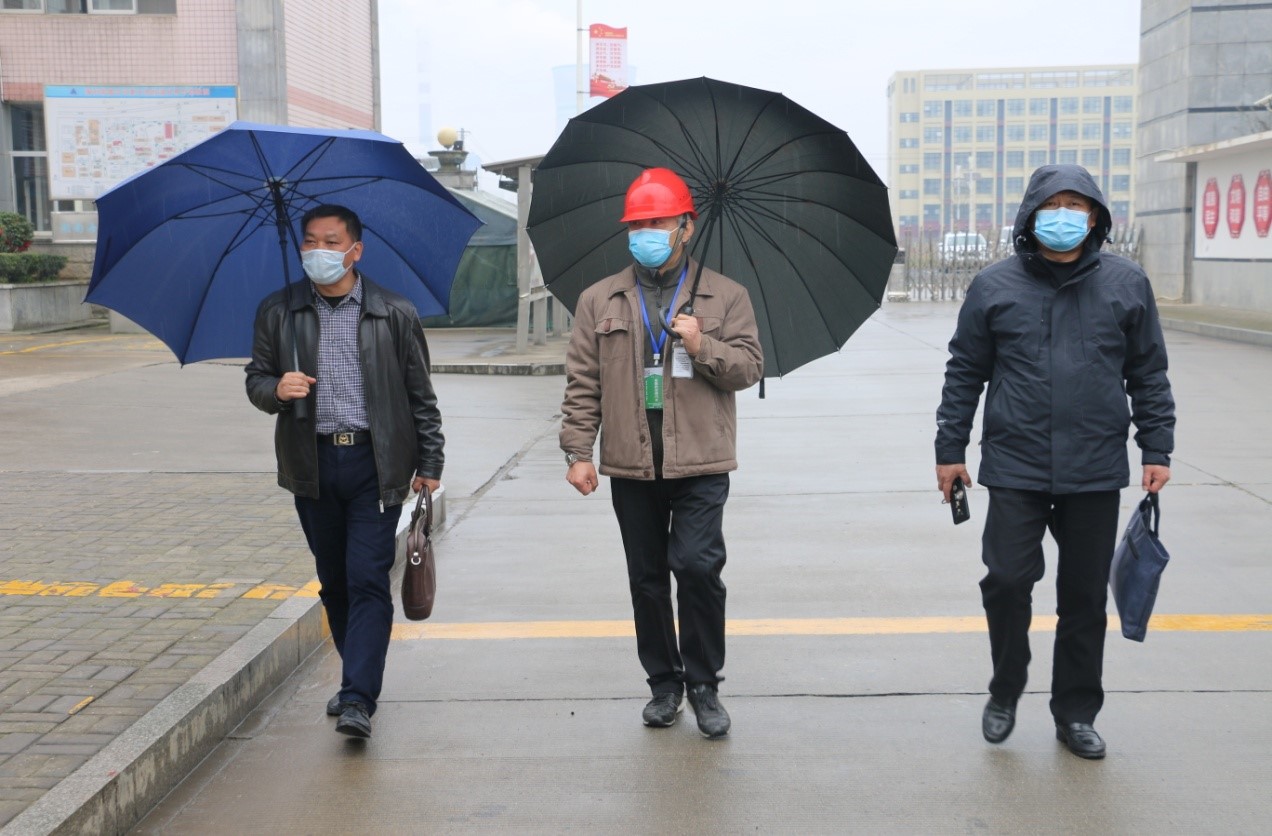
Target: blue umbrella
(188, 249)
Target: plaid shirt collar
(355, 294)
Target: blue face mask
(1061, 230)
(324, 267)
(650, 247)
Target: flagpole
(580, 99)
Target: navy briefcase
(1137, 568)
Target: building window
(143, 7)
(931, 211)
(909, 221)
(999, 81)
(1121, 212)
(30, 165)
(984, 214)
(1108, 78)
(1015, 132)
(962, 108)
(932, 161)
(933, 134)
(112, 6)
(909, 168)
(1092, 104)
(1037, 158)
(1091, 157)
(962, 159)
(1015, 159)
(1015, 107)
(947, 81)
(932, 186)
(1121, 156)
(910, 116)
(1061, 79)
(962, 133)
(1039, 131)
(1123, 104)
(1067, 157)
(933, 108)
(1092, 130)
(1040, 107)
(1121, 182)
(985, 185)
(985, 133)
(1122, 129)
(908, 194)
(1068, 131)
(1014, 185)
(984, 159)
(21, 5)
(909, 142)
(986, 107)
(1068, 105)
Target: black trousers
(1084, 526)
(675, 526)
(353, 543)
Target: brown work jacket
(604, 390)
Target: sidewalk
(154, 587)
(153, 583)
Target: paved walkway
(153, 587)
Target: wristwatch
(570, 459)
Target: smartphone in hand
(958, 502)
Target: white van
(963, 244)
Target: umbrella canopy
(786, 205)
(188, 249)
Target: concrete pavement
(841, 725)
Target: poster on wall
(99, 135)
(1233, 217)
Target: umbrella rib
(760, 210)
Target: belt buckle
(342, 439)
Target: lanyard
(657, 344)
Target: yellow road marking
(132, 589)
(67, 344)
(805, 627)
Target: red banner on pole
(609, 59)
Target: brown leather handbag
(419, 578)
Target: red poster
(609, 59)
(1263, 203)
(1236, 206)
(1210, 208)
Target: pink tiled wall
(198, 45)
(317, 95)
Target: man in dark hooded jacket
(1062, 333)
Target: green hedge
(25, 268)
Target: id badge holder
(681, 362)
(653, 387)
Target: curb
(522, 369)
(1222, 332)
(119, 785)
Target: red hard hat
(657, 193)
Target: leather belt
(345, 439)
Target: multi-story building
(962, 143)
(125, 82)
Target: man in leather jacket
(358, 428)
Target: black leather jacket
(402, 414)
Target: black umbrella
(787, 206)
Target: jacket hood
(1052, 179)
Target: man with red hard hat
(657, 353)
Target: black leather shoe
(662, 710)
(997, 720)
(354, 720)
(334, 706)
(1082, 740)
(713, 720)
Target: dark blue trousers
(1084, 526)
(675, 526)
(353, 546)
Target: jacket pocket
(614, 337)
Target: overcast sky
(486, 65)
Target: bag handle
(424, 503)
(1152, 512)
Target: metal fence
(926, 272)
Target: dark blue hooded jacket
(1060, 362)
